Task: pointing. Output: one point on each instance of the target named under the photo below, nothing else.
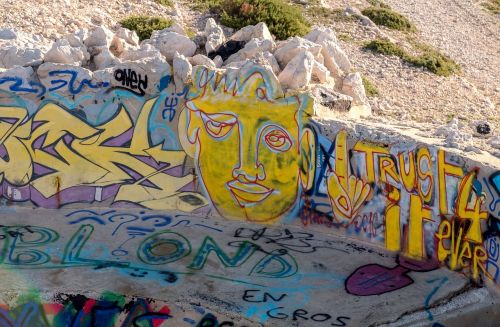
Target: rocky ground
(451, 108)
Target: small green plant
(389, 18)
(345, 37)
(204, 5)
(493, 6)
(378, 3)
(386, 47)
(321, 14)
(370, 88)
(145, 25)
(166, 3)
(436, 62)
(428, 58)
(284, 20)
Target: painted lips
(248, 193)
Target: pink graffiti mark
(375, 279)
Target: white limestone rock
(297, 73)
(145, 51)
(258, 31)
(8, 34)
(18, 73)
(267, 58)
(494, 142)
(99, 37)
(49, 81)
(290, 48)
(455, 134)
(182, 71)
(176, 28)
(11, 56)
(353, 86)
(140, 76)
(321, 34)
(252, 48)
(215, 36)
(18, 48)
(218, 61)
(64, 53)
(103, 58)
(335, 58)
(320, 72)
(77, 38)
(202, 60)
(129, 36)
(170, 42)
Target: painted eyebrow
(231, 119)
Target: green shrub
(166, 3)
(321, 15)
(378, 3)
(436, 62)
(284, 20)
(493, 6)
(386, 47)
(204, 5)
(370, 88)
(429, 58)
(145, 25)
(388, 18)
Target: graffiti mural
(264, 153)
(231, 144)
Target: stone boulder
(333, 100)
(215, 36)
(51, 74)
(145, 51)
(140, 76)
(18, 74)
(335, 58)
(297, 73)
(353, 86)
(182, 71)
(252, 48)
(63, 52)
(99, 37)
(202, 60)
(11, 56)
(259, 31)
(170, 42)
(129, 36)
(289, 49)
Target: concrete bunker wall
(232, 145)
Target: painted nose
(250, 173)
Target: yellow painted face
(247, 152)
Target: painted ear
(307, 162)
(188, 131)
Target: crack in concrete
(466, 288)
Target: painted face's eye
(277, 139)
(218, 125)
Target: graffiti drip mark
(209, 227)
(493, 204)
(431, 294)
(186, 223)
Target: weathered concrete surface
(244, 274)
